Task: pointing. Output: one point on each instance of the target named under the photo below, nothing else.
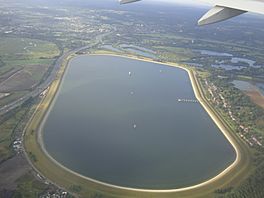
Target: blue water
(119, 121)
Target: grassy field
(27, 47)
(24, 62)
(12, 97)
(29, 187)
(17, 52)
(174, 54)
(7, 128)
(86, 188)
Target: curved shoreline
(199, 97)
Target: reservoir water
(119, 121)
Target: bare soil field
(11, 170)
(256, 97)
(24, 79)
(6, 75)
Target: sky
(186, 2)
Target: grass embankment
(88, 188)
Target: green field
(23, 61)
(29, 187)
(7, 129)
(18, 52)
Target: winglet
(219, 13)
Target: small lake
(119, 121)
(249, 86)
(228, 67)
(243, 60)
(213, 53)
(233, 60)
(111, 48)
(260, 87)
(138, 50)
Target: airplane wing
(127, 1)
(225, 9)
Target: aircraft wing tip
(219, 13)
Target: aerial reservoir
(133, 124)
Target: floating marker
(134, 126)
(129, 73)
